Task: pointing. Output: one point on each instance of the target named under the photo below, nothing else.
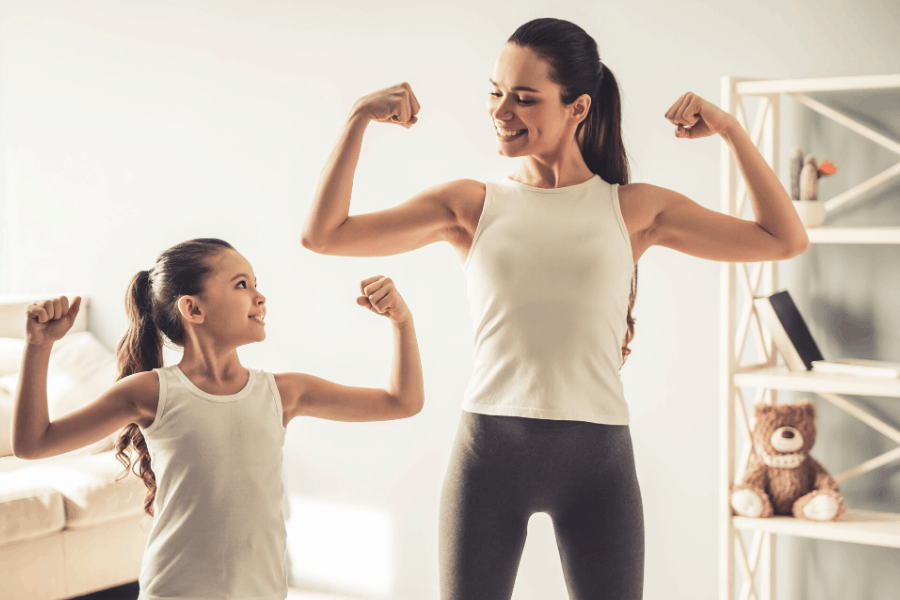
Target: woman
(550, 256)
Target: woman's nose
(501, 111)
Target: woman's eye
(242, 282)
(519, 100)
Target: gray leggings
(505, 469)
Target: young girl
(550, 258)
(212, 429)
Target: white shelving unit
(744, 280)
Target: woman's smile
(507, 135)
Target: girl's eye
(242, 282)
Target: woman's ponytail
(601, 142)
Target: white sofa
(67, 528)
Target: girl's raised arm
(33, 435)
(404, 396)
(428, 217)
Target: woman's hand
(382, 298)
(396, 104)
(697, 118)
(49, 320)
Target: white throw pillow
(11, 355)
(6, 406)
(80, 369)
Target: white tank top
(219, 530)
(548, 279)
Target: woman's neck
(562, 169)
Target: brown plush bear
(781, 477)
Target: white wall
(127, 127)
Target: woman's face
(525, 106)
(233, 309)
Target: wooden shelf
(764, 87)
(854, 235)
(757, 560)
(781, 378)
(856, 526)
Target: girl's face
(525, 105)
(232, 308)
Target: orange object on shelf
(826, 168)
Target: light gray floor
(130, 592)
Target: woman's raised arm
(681, 224)
(427, 217)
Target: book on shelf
(858, 366)
(789, 331)
(795, 342)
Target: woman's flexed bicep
(683, 225)
(428, 217)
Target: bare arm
(33, 435)
(682, 224)
(426, 218)
(404, 395)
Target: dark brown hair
(152, 316)
(575, 66)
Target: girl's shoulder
(143, 391)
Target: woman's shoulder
(462, 191)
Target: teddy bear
(781, 477)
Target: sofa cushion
(84, 487)
(29, 508)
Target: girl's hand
(382, 298)
(396, 104)
(697, 118)
(49, 320)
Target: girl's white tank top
(548, 280)
(219, 530)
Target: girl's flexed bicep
(310, 396)
(117, 407)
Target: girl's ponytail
(139, 350)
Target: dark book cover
(795, 327)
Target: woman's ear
(189, 308)
(580, 108)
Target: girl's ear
(189, 308)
